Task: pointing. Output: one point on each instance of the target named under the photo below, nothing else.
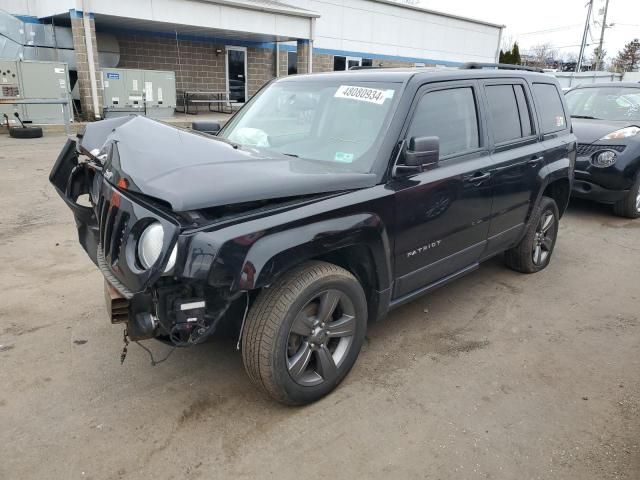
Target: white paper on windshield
(362, 94)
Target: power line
(554, 29)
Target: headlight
(604, 158)
(150, 247)
(622, 133)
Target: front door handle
(478, 177)
(535, 161)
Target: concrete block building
(239, 45)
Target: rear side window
(509, 112)
(503, 110)
(552, 114)
(449, 115)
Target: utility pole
(604, 26)
(584, 37)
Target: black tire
(524, 256)
(268, 339)
(25, 132)
(629, 207)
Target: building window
(367, 62)
(339, 63)
(292, 63)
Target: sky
(559, 22)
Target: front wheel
(534, 251)
(303, 334)
(629, 207)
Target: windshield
(605, 103)
(337, 123)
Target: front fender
(274, 254)
(245, 261)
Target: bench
(197, 97)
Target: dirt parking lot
(497, 376)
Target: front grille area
(113, 224)
(119, 217)
(585, 150)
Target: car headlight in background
(626, 132)
(150, 247)
(604, 158)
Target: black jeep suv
(606, 119)
(326, 201)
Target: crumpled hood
(191, 171)
(589, 131)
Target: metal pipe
(86, 21)
(44, 101)
(499, 45)
(312, 35)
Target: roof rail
(499, 66)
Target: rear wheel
(534, 251)
(304, 333)
(629, 207)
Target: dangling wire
(244, 318)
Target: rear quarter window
(552, 114)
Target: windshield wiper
(588, 117)
(291, 155)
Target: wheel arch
(560, 191)
(359, 243)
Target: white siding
(378, 28)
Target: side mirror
(422, 151)
(206, 126)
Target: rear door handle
(478, 177)
(535, 161)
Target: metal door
(237, 74)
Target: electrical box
(24, 80)
(10, 89)
(160, 93)
(145, 92)
(123, 92)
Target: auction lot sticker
(362, 94)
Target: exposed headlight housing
(150, 247)
(626, 132)
(604, 158)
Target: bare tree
(543, 54)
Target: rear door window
(503, 112)
(552, 115)
(508, 112)
(451, 116)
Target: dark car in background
(606, 120)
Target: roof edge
(292, 11)
(442, 14)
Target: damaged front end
(142, 289)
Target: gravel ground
(498, 375)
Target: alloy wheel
(320, 338)
(543, 239)
(638, 201)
